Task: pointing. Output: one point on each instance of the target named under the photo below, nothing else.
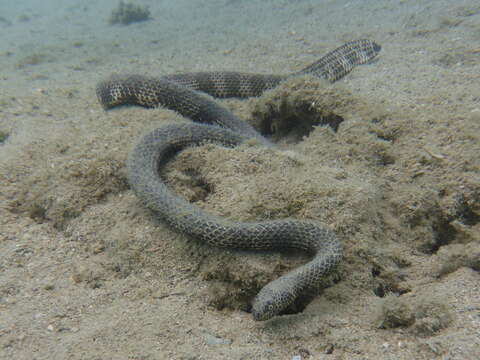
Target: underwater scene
(240, 179)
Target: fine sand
(86, 272)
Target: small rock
(396, 312)
(49, 287)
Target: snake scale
(183, 93)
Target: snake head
(268, 303)
(263, 310)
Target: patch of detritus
(234, 283)
(388, 276)
(236, 277)
(293, 109)
(347, 174)
(189, 183)
(441, 225)
(422, 316)
(441, 218)
(46, 194)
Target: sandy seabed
(87, 273)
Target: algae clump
(127, 13)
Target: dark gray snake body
(181, 93)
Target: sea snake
(183, 93)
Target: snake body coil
(181, 93)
